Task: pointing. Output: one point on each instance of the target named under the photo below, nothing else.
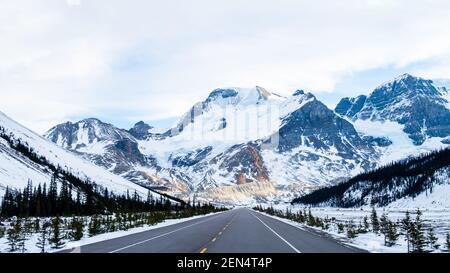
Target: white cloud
(155, 58)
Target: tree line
(405, 178)
(75, 196)
(54, 217)
(41, 201)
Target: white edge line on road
(274, 232)
(314, 232)
(162, 235)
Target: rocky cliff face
(141, 130)
(411, 101)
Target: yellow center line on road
(203, 250)
(168, 233)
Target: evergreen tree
(28, 226)
(340, 227)
(375, 222)
(300, 217)
(392, 234)
(64, 199)
(43, 237)
(407, 226)
(94, 226)
(351, 231)
(366, 224)
(311, 219)
(53, 196)
(432, 239)
(56, 239)
(77, 229)
(447, 241)
(14, 236)
(384, 227)
(37, 225)
(38, 200)
(2, 231)
(22, 240)
(418, 240)
(326, 223)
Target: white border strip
(274, 232)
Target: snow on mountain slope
(316, 147)
(243, 140)
(402, 146)
(114, 149)
(290, 145)
(415, 103)
(102, 143)
(209, 145)
(438, 199)
(421, 181)
(235, 137)
(444, 87)
(81, 135)
(233, 114)
(16, 169)
(227, 117)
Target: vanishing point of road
(235, 231)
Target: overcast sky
(125, 61)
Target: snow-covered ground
(438, 219)
(31, 241)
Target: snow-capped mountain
(107, 145)
(233, 138)
(16, 168)
(114, 149)
(249, 143)
(416, 103)
(239, 136)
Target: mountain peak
(142, 124)
(406, 76)
(222, 93)
(407, 81)
(140, 130)
(299, 92)
(240, 96)
(84, 132)
(91, 120)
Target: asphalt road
(235, 231)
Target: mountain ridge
(294, 143)
(28, 157)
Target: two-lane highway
(235, 231)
